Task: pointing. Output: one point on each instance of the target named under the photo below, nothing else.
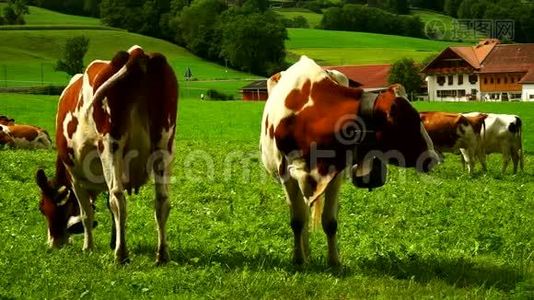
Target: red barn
(255, 91)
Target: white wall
(434, 87)
(528, 92)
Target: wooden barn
(255, 91)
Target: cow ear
(42, 180)
(312, 184)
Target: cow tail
(316, 213)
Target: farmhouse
(489, 71)
(372, 78)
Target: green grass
(314, 19)
(41, 16)
(28, 50)
(343, 47)
(447, 25)
(442, 235)
(31, 53)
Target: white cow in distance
(501, 133)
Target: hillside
(30, 56)
(342, 47)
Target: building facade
(489, 71)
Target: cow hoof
(334, 263)
(299, 261)
(122, 257)
(162, 257)
(122, 260)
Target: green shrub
(216, 95)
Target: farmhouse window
(461, 93)
(515, 96)
(499, 80)
(492, 81)
(450, 80)
(512, 79)
(505, 80)
(474, 92)
(460, 79)
(473, 79)
(485, 80)
(531, 97)
(441, 80)
(447, 93)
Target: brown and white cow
(24, 137)
(454, 133)
(5, 120)
(115, 126)
(314, 127)
(501, 133)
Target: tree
(451, 7)
(254, 42)
(399, 7)
(73, 53)
(14, 12)
(197, 27)
(406, 72)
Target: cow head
(5, 137)
(400, 133)
(60, 207)
(4, 120)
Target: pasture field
(313, 18)
(330, 47)
(42, 16)
(441, 235)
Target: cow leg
(329, 219)
(86, 215)
(111, 158)
(481, 155)
(162, 205)
(469, 157)
(299, 221)
(113, 239)
(505, 160)
(515, 159)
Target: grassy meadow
(352, 48)
(28, 59)
(440, 235)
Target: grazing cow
(501, 134)
(454, 133)
(24, 137)
(5, 120)
(115, 126)
(314, 127)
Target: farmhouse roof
(473, 55)
(366, 76)
(509, 58)
(529, 77)
(256, 85)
